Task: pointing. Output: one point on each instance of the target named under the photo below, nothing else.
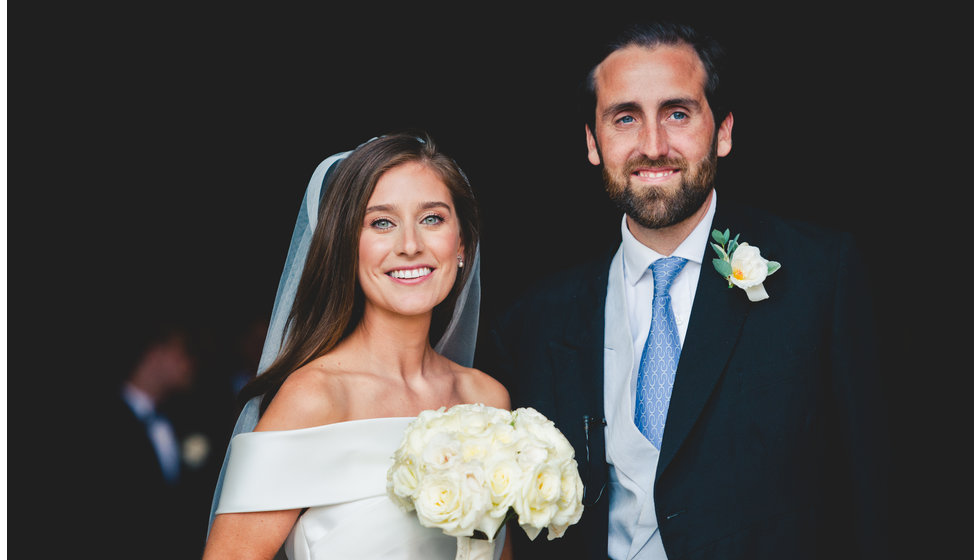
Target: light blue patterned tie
(659, 361)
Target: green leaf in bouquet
(721, 252)
(718, 237)
(772, 266)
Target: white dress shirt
(159, 430)
(633, 528)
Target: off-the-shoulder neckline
(356, 421)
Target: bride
(391, 267)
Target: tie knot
(664, 272)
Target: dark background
(159, 152)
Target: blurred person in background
(144, 452)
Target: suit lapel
(716, 323)
(578, 353)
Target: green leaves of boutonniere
(741, 264)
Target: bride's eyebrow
(434, 204)
(380, 208)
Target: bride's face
(410, 239)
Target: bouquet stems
(468, 548)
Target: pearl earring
(459, 260)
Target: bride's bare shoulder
(479, 387)
(313, 395)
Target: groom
(706, 423)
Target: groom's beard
(658, 206)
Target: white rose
(453, 500)
(749, 270)
(413, 443)
(470, 419)
(476, 449)
(530, 452)
(403, 485)
(500, 415)
(439, 501)
(427, 420)
(570, 505)
(442, 451)
(536, 424)
(527, 415)
(504, 435)
(539, 500)
(476, 419)
(505, 480)
(425, 426)
(478, 503)
(560, 448)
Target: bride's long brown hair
(329, 303)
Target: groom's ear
(725, 135)
(590, 143)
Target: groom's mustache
(643, 161)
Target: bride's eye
(433, 220)
(382, 223)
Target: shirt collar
(139, 401)
(638, 257)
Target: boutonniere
(742, 265)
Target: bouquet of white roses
(469, 469)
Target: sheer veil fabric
(458, 343)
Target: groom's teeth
(409, 274)
(654, 174)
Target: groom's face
(655, 136)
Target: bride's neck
(396, 344)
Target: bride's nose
(410, 242)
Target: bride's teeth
(410, 274)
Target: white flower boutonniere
(742, 265)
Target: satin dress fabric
(339, 472)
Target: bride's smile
(407, 274)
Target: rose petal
(756, 293)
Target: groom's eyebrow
(622, 107)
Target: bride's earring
(459, 261)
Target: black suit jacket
(774, 441)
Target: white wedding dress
(338, 471)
